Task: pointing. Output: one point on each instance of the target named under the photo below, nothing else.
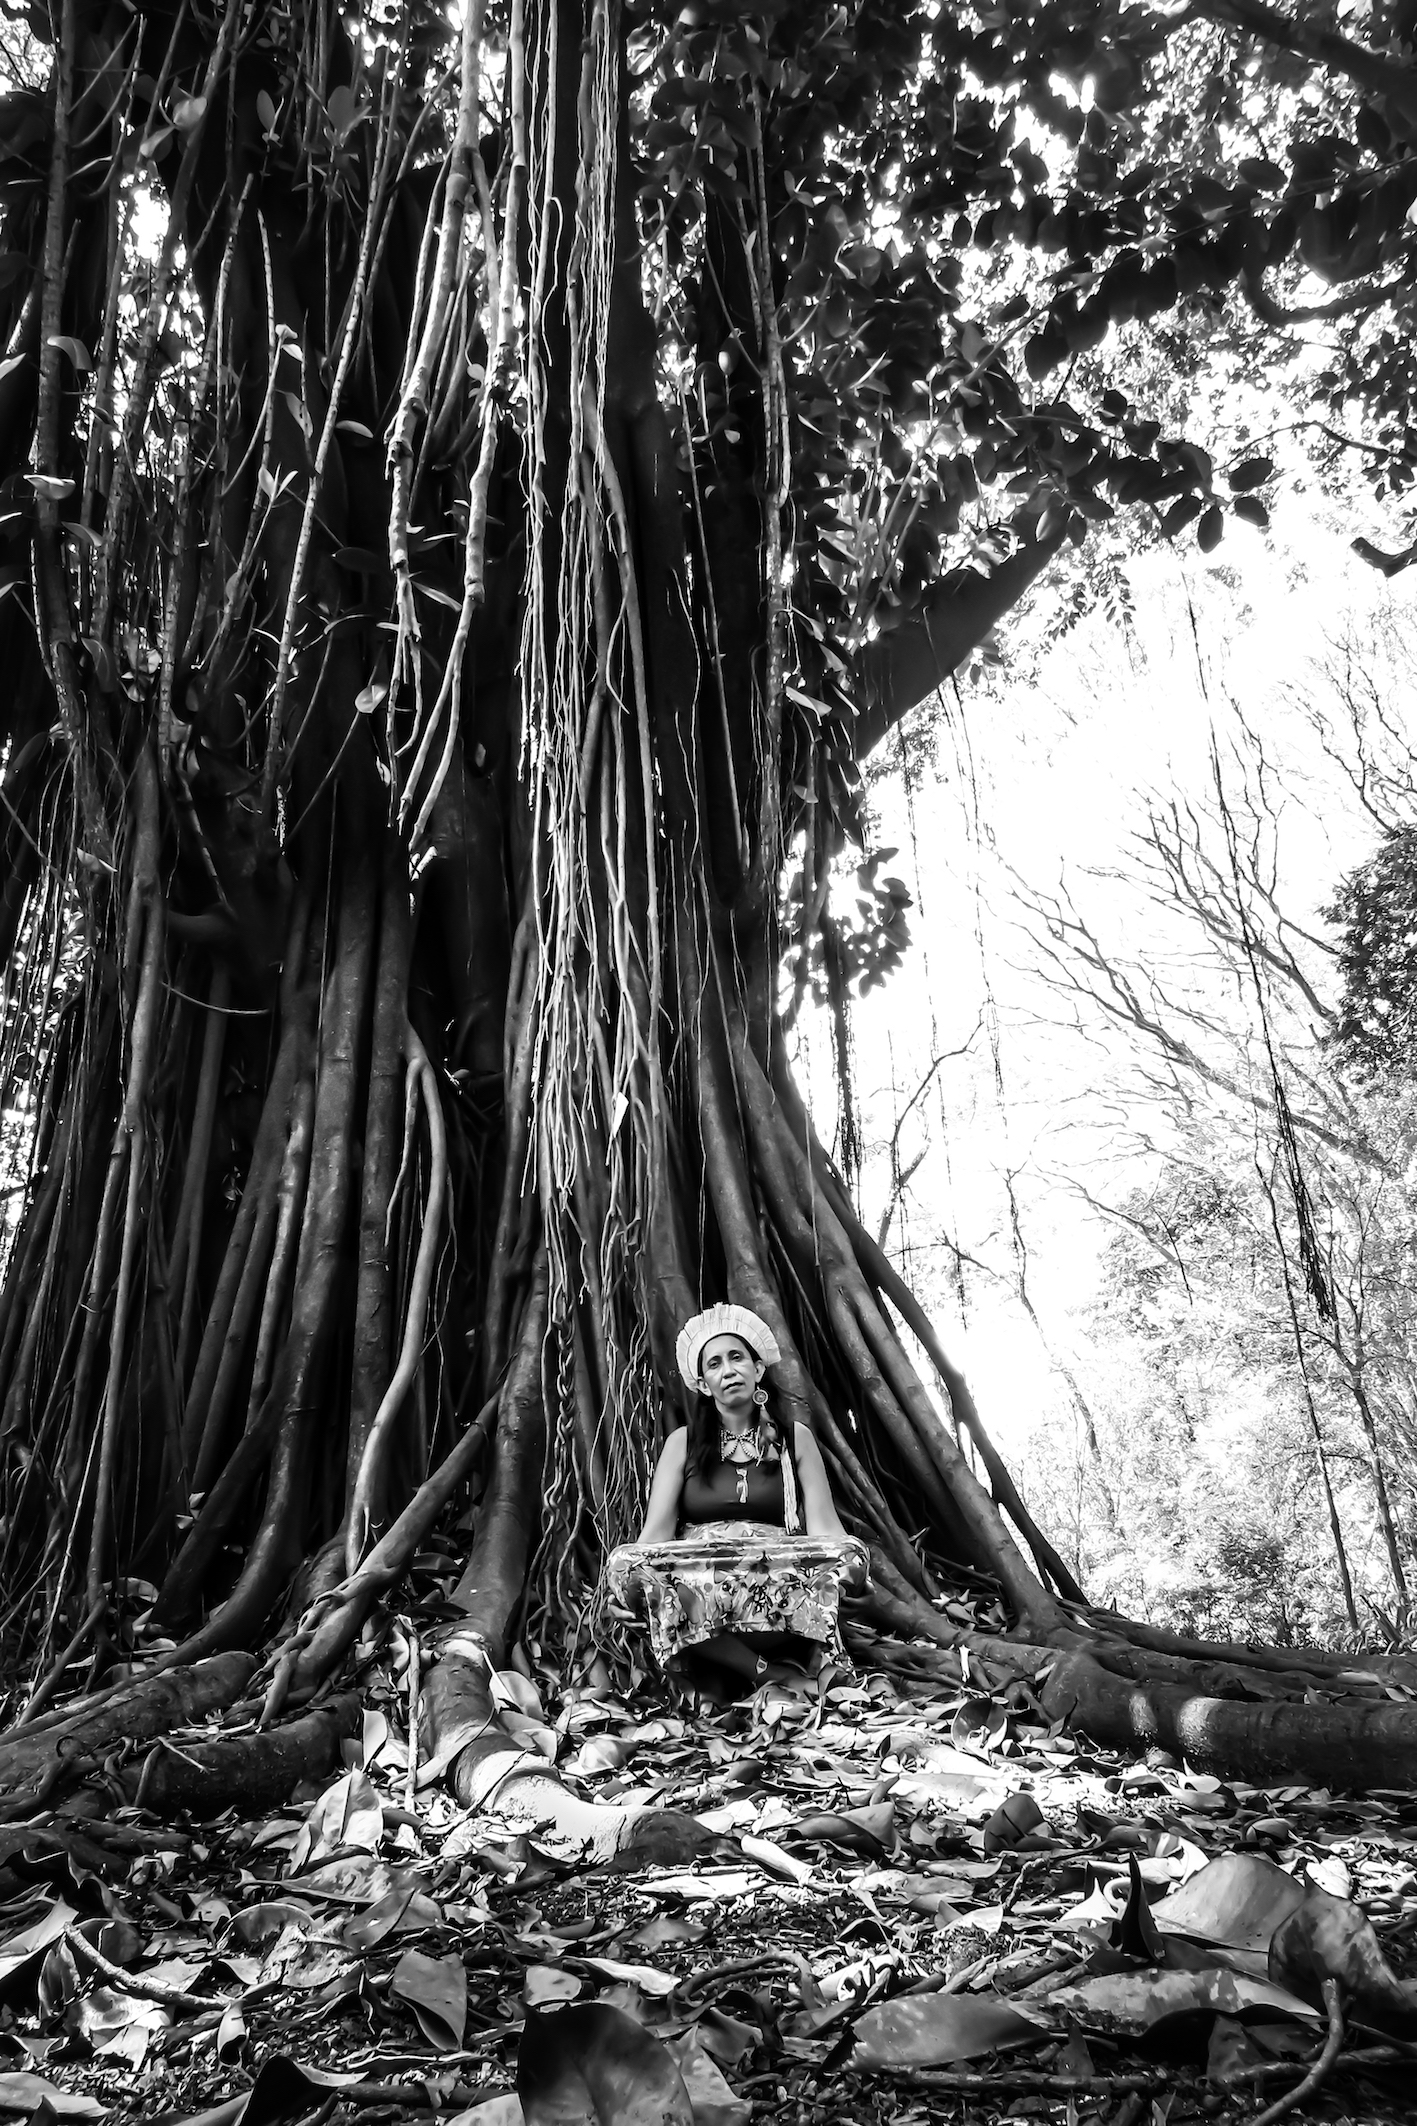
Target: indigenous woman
(742, 1554)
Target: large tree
(459, 562)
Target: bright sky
(1047, 775)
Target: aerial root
(422, 1084)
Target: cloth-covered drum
(733, 1576)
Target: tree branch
(1359, 302)
(1380, 76)
(897, 670)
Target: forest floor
(903, 1874)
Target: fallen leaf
(664, 1928)
(22, 1955)
(182, 1972)
(1130, 2002)
(435, 1987)
(117, 1939)
(511, 1690)
(119, 2023)
(711, 2099)
(496, 2111)
(849, 1833)
(1238, 1899)
(717, 1887)
(1332, 1874)
(543, 1983)
(1135, 1933)
(727, 2039)
(656, 1983)
(1231, 2050)
(773, 1858)
(348, 1816)
(531, 1733)
(932, 2029)
(1327, 1937)
(400, 1911)
(231, 2033)
(600, 1753)
(29, 2092)
(264, 1921)
(285, 2089)
(356, 1881)
(973, 1792)
(297, 1961)
(593, 2066)
(1076, 2058)
(1013, 1821)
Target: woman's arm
(818, 1505)
(662, 1515)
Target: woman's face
(730, 1372)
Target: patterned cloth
(733, 1576)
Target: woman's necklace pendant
(741, 1448)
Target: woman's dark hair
(702, 1452)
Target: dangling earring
(760, 1396)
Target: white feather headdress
(723, 1320)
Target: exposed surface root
(1348, 1745)
(149, 1706)
(249, 1771)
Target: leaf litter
(916, 1903)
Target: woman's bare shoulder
(671, 1454)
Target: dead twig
(148, 1989)
(1319, 2072)
(734, 1968)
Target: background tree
(1258, 1278)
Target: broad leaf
(593, 2066)
(496, 2111)
(545, 1983)
(931, 2029)
(348, 1816)
(713, 2101)
(77, 352)
(403, 1910)
(1132, 2002)
(435, 1987)
(28, 2093)
(22, 1955)
(1237, 1900)
(645, 1976)
(1327, 1937)
(263, 1922)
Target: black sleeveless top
(714, 1496)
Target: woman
(742, 1553)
